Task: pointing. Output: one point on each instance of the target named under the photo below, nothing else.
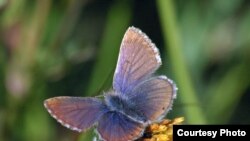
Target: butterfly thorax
(116, 102)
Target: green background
(69, 48)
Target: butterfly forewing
(76, 113)
(138, 59)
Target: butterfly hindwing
(153, 97)
(138, 59)
(76, 113)
(114, 126)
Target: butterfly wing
(76, 113)
(154, 97)
(150, 97)
(138, 59)
(114, 126)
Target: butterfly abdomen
(128, 108)
(114, 102)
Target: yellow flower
(162, 131)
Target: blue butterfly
(137, 99)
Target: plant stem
(172, 38)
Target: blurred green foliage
(69, 48)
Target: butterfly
(137, 99)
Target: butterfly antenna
(104, 85)
(99, 96)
